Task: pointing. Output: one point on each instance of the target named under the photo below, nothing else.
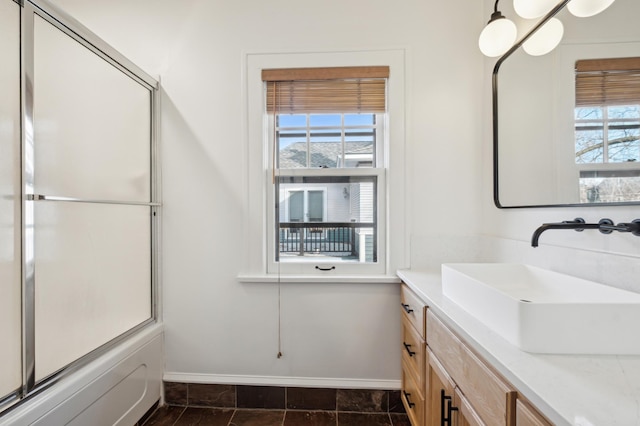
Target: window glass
(609, 187)
(624, 133)
(333, 120)
(326, 140)
(608, 134)
(608, 151)
(359, 119)
(292, 120)
(327, 217)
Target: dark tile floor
(183, 416)
(241, 405)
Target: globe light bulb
(545, 39)
(497, 37)
(532, 9)
(586, 8)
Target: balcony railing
(335, 239)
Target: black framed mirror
(556, 143)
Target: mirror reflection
(567, 123)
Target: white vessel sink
(546, 312)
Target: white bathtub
(117, 388)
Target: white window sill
(364, 279)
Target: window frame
(307, 266)
(259, 177)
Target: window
(326, 136)
(607, 129)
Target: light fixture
(586, 8)
(545, 39)
(532, 9)
(499, 34)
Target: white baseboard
(306, 382)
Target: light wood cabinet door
(528, 416)
(440, 392)
(446, 405)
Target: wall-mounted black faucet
(605, 226)
(577, 224)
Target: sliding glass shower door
(10, 233)
(78, 197)
(92, 255)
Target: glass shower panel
(92, 123)
(93, 275)
(10, 237)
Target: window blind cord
(279, 355)
(274, 174)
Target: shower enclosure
(79, 202)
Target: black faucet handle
(632, 227)
(605, 226)
(575, 221)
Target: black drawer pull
(407, 308)
(408, 348)
(407, 395)
(446, 409)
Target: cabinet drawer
(491, 398)
(413, 309)
(528, 416)
(412, 397)
(413, 351)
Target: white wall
(218, 329)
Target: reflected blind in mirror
(602, 82)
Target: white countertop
(581, 390)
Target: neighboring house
(327, 154)
(341, 201)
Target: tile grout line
(183, 410)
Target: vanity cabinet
(444, 383)
(414, 354)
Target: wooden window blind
(326, 90)
(604, 82)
